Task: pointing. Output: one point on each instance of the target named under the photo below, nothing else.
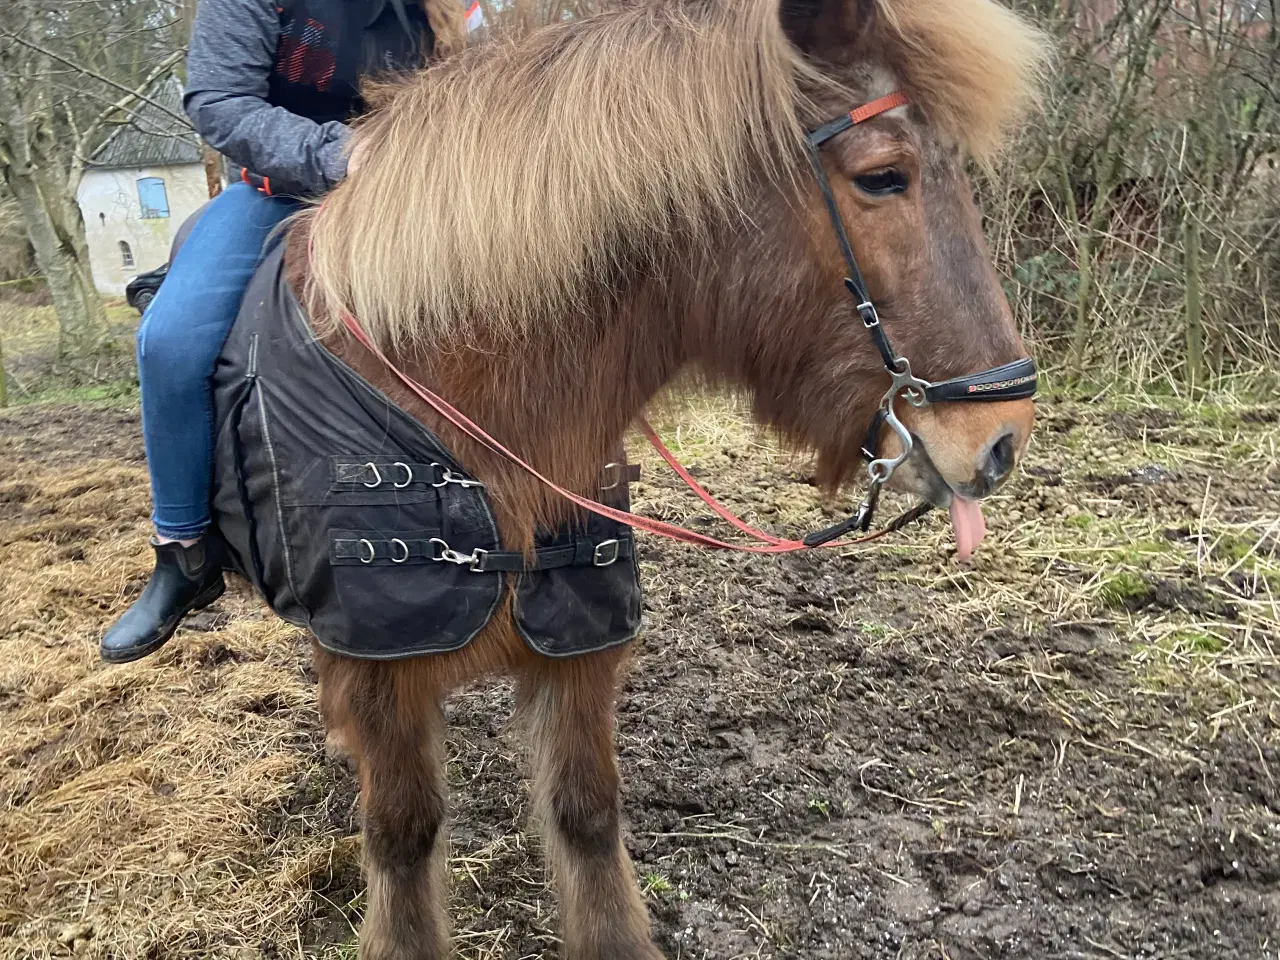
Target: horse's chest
(355, 522)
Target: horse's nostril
(999, 461)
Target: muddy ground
(1065, 749)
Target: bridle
(1009, 381)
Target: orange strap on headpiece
(877, 107)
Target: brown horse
(546, 229)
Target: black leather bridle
(1009, 381)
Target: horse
(549, 227)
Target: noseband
(1009, 381)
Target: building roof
(151, 137)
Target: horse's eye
(882, 182)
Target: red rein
(768, 542)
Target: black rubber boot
(185, 579)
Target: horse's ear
(814, 26)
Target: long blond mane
(502, 185)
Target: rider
(270, 84)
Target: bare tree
(58, 99)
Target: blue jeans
(179, 339)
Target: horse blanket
(353, 520)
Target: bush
(1136, 220)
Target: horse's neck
(560, 400)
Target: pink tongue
(970, 528)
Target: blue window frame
(152, 198)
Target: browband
(857, 115)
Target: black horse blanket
(353, 521)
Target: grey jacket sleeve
(233, 50)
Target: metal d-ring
(408, 475)
(373, 551)
(377, 477)
(403, 546)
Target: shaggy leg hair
(393, 724)
(568, 707)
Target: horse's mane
(502, 184)
(973, 66)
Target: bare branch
(85, 141)
(43, 51)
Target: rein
(1010, 381)
(769, 544)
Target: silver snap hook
(451, 477)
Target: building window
(126, 254)
(152, 198)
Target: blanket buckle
(605, 553)
(446, 554)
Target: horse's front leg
(390, 717)
(567, 707)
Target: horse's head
(899, 187)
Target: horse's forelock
(973, 66)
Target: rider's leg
(178, 341)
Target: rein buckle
(867, 509)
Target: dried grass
(133, 797)
(184, 806)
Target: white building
(137, 188)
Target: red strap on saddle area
(769, 544)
